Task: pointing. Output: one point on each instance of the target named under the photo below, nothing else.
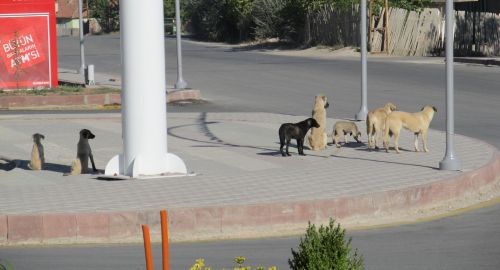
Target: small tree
(325, 249)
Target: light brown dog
(318, 138)
(375, 122)
(417, 122)
(76, 168)
(37, 155)
(346, 128)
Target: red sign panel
(25, 51)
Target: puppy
(37, 155)
(418, 123)
(375, 122)
(83, 153)
(297, 131)
(345, 127)
(318, 138)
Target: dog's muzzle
(327, 105)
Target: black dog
(297, 131)
(83, 152)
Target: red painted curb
(238, 220)
(11, 102)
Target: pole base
(450, 164)
(168, 166)
(181, 84)
(361, 115)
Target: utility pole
(363, 111)
(82, 47)
(181, 83)
(450, 161)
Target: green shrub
(325, 249)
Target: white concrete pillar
(144, 112)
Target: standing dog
(297, 131)
(83, 153)
(345, 127)
(417, 122)
(375, 122)
(37, 155)
(318, 138)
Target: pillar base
(169, 165)
(361, 115)
(450, 164)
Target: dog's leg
(396, 140)
(300, 146)
(416, 143)
(424, 140)
(337, 139)
(282, 143)
(346, 140)
(92, 161)
(84, 161)
(287, 145)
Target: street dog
(375, 122)
(318, 138)
(37, 154)
(417, 122)
(297, 131)
(83, 154)
(345, 128)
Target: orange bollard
(164, 238)
(147, 247)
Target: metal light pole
(144, 111)
(363, 111)
(82, 48)
(450, 160)
(181, 84)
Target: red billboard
(28, 58)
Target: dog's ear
(422, 108)
(434, 108)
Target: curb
(481, 61)
(20, 102)
(242, 221)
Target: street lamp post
(82, 48)
(363, 111)
(450, 160)
(181, 83)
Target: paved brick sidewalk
(242, 187)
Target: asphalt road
(245, 80)
(465, 242)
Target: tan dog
(418, 123)
(37, 155)
(76, 168)
(375, 122)
(318, 138)
(345, 127)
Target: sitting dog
(345, 127)
(83, 153)
(318, 138)
(37, 155)
(417, 122)
(297, 131)
(375, 122)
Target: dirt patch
(60, 91)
